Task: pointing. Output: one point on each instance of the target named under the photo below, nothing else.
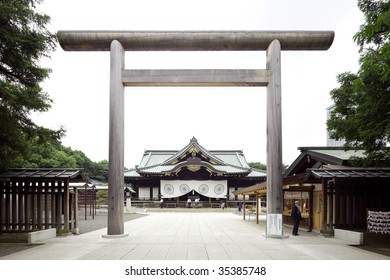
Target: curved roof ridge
(239, 167)
(147, 167)
(193, 142)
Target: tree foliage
(258, 165)
(361, 115)
(24, 41)
(262, 166)
(55, 155)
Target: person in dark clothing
(296, 217)
(240, 206)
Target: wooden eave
(44, 174)
(261, 188)
(194, 165)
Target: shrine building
(191, 173)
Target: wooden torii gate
(117, 42)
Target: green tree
(262, 166)
(258, 165)
(55, 155)
(361, 115)
(48, 155)
(24, 40)
(99, 171)
(102, 197)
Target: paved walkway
(193, 236)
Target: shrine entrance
(117, 42)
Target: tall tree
(257, 165)
(24, 41)
(48, 155)
(54, 155)
(361, 115)
(262, 166)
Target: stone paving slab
(193, 236)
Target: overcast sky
(220, 118)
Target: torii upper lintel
(195, 40)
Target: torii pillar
(117, 42)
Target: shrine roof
(225, 162)
(349, 172)
(74, 174)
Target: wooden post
(27, 204)
(66, 204)
(14, 192)
(53, 204)
(257, 208)
(93, 202)
(325, 208)
(7, 205)
(116, 142)
(244, 205)
(33, 206)
(21, 197)
(76, 209)
(331, 192)
(2, 209)
(311, 204)
(274, 131)
(39, 205)
(47, 205)
(58, 212)
(85, 201)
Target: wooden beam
(195, 77)
(229, 40)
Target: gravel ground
(91, 224)
(100, 221)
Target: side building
(176, 176)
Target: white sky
(220, 118)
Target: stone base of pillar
(113, 236)
(327, 233)
(130, 210)
(284, 236)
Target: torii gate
(117, 42)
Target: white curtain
(144, 193)
(176, 188)
(155, 193)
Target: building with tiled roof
(335, 196)
(192, 172)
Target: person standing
(240, 206)
(161, 203)
(196, 202)
(296, 217)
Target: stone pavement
(194, 235)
